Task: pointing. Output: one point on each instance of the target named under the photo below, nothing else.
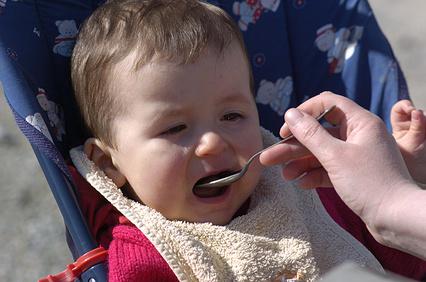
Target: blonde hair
(175, 30)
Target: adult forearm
(404, 226)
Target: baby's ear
(99, 153)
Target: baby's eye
(232, 116)
(174, 129)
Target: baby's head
(166, 89)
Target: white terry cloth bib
(286, 234)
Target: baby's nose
(210, 143)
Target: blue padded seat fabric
(299, 48)
(38, 37)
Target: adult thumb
(308, 131)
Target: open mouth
(209, 192)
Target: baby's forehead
(131, 75)
(131, 66)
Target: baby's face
(184, 123)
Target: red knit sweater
(132, 257)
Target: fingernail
(415, 115)
(292, 116)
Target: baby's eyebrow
(170, 111)
(166, 112)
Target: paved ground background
(404, 23)
(32, 241)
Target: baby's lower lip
(209, 192)
(216, 198)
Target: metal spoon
(237, 175)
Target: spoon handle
(290, 136)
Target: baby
(166, 90)
(170, 102)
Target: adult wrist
(392, 208)
(401, 224)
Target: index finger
(344, 109)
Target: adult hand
(358, 157)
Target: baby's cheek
(156, 195)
